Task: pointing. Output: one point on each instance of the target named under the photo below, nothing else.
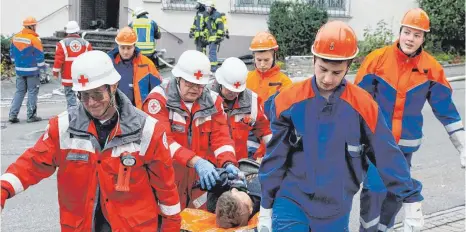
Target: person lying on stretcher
(235, 200)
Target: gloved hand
(191, 34)
(207, 173)
(4, 196)
(457, 139)
(414, 219)
(218, 40)
(232, 169)
(265, 220)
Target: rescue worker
(66, 52)
(266, 79)
(197, 29)
(27, 54)
(401, 77)
(114, 167)
(214, 30)
(147, 31)
(139, 74)
(314, 163)
(243, 107)
(199, 138)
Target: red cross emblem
(198, 74)
(237, 84)
(83, 80)
(76, 46)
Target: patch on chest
(177, 128)
(77, 157)
(275, 84)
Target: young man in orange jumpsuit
(199, 137)
(243, 107)
(115, 172)
(266, 79)
(401, 78)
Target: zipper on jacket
(96, 200)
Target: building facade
(245, 17)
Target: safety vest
(144, 29)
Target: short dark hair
(230, 211)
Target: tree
(447, 27)
(295, 25)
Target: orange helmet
(335, 40)
(263, 41)
(29, 21)
(416, 18)
(126, 36)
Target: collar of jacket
(130, 123)
(205, 102)
(29, 31)
(74, 35)
(243, 101)
(115, 55)
(336, 92)
(275, 70)
(402, 58)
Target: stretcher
(196, 220)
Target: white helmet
(72, 27)
(232, 75)
(193, 66)
(93, 69)
(139, 11)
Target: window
(335, 8)
(181, 5)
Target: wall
(243, 26)
(14, 11)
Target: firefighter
(27, 54)
(114, 167)
(147, 31)
(214, 30)
(66, 51)
(139, 74)
(197, 29)
(242, 106)
(199, 138)
(315, 161)
(401, 77)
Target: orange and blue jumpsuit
(401, 85)
(315, 161)
(265, 84)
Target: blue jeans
(378, 207)
(213, 56)
(25, 84)
(70, 97)
(289, 216)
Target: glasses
(96, 96)
(191, 85)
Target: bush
(295, 24)
(373, 39)
(447, 28)
(6, 67)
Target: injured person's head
(233, 209)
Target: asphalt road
(436, 164)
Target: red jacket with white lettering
(203, 131)
(87, 172)
(66, 51)
(247, 114)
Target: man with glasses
(199, 137)
(114, 167)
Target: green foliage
(374, 39)
(447, 25)
(295, 24)
(381, 36)
(6, 67)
